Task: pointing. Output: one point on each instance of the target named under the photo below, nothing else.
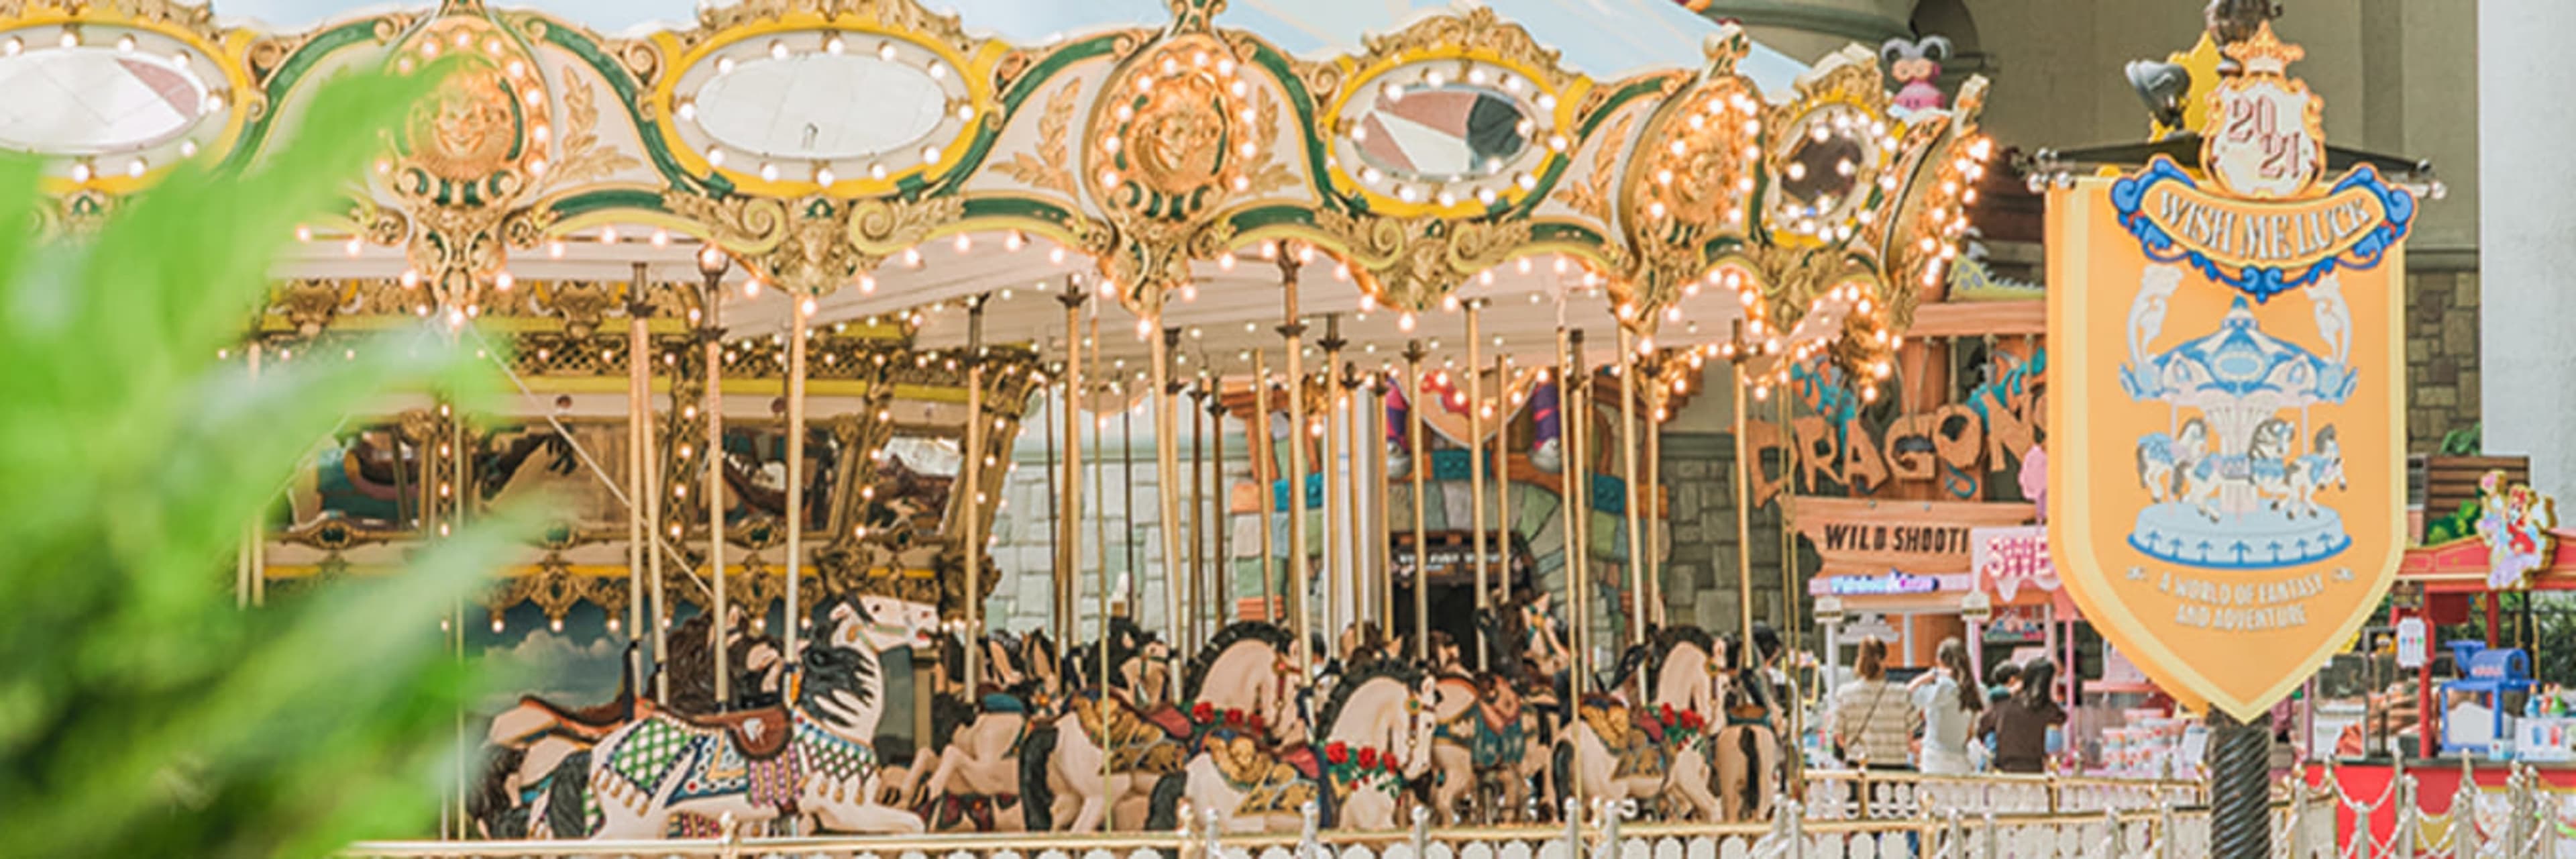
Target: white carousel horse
(1377, 742)
(1239, 680)
(1616, 752)
(665, 775)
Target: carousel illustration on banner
(779, 291)
(2229, 457)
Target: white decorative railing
(2165, 832)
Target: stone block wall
(2443, 390)
(1702, 585)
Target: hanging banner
(2227, 445)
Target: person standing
(2025, 722)
(1870, 714)
(1947, 709)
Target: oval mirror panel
(1454, 131)
(820, 106)
(90, 101)
(1822, 173)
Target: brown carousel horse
(975, 779)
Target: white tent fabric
(1601, 38)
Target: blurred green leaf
(141, 713)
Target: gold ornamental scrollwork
(1691, 179)
(1050, 167)
(1409, 263)
(899, 16)
(1477, 28)
(1180, 131)
(741, 224)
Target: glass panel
(1456, 131)
(87, 101)
(820, 106)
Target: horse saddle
(589, 724)
(1302, 757)
(758, 734)
(1646, 722)
(1175, 724)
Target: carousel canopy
(1597, 36)
(882, 163)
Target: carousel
(785, 294)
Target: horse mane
(1669, 637)
(827, 669)
(1194, 677)
(1396, 670)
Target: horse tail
(1749, 741)
(1561, 770)
(1163, 813)
(1037, 801)
(567, 797)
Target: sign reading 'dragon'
(2228, 461)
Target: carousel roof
(1603, 37)
(1600, 165)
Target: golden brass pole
(1382, 487)
(653, 551)
(1743, 507)
(972, 469)
(801, 318)
(1292, 335)
(1503, 471)
(1068, 514)
(639, 362)
(1420, 469)
(1638, 614)
(712, 335)
(1265, 471)
(251, 585)
(1168, 482)
(1223, 583)
(1338, 570)
(1575, 406)
(1656, 398)
(1193, 595)
(1476, 410)
(1571, 474)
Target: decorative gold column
(1381, 485)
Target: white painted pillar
(2527, 246)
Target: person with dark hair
(2006, 681)
(1945, 705)
(1870, 714)
(2025, 721)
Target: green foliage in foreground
(141, 714)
